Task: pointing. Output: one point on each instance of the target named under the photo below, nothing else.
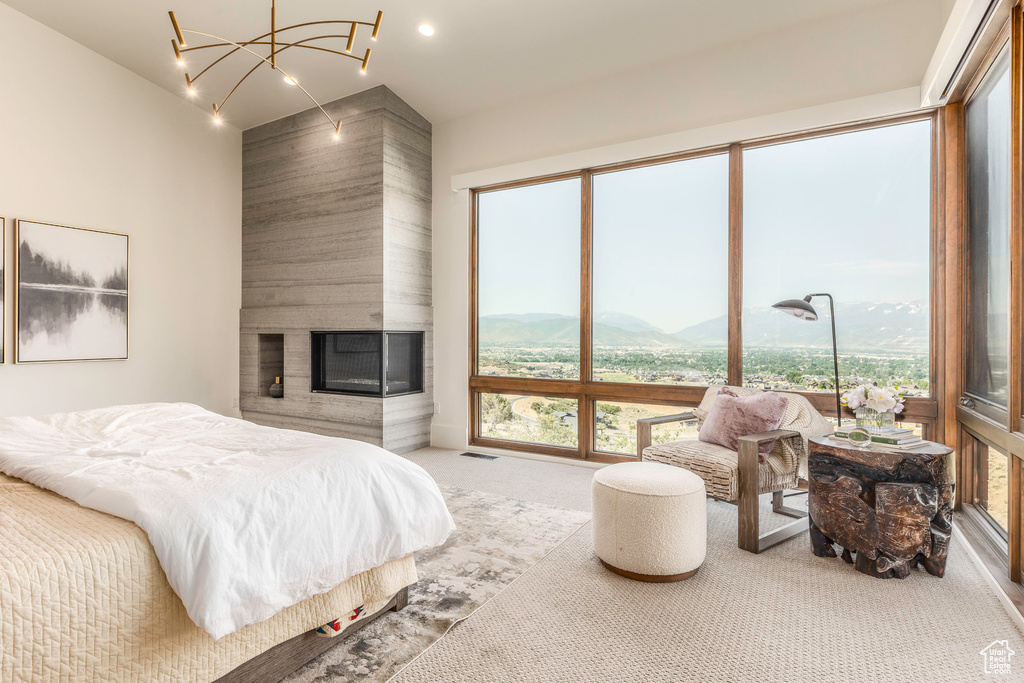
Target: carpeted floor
(564, 486)
(783, 615)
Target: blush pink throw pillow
(733, 416)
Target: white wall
(85, 142)
(865, 63)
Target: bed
(85, 594)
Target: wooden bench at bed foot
(283, 659)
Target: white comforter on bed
(245, 520)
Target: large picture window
(850, 215)
(661, 273)
(988, 236)
(529, 286)
(991, 445)
(616, 293)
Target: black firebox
(367, 363)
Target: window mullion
(735, 340)
(584, 421)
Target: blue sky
(848, 214)
(661, 240)
(530, 249)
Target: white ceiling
(485, 52)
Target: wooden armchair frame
(749, 531)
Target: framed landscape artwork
(71, 294)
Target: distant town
(781, 369)
(553, 420)
(780, 354)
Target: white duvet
(245, 520)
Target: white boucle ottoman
(650, 521)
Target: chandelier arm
(328, 21)
(264, 59)
(257, 41)
(280, 30)
(232, 92)
(323, 49)
(223, 44)
(220, 59)
(282, 48)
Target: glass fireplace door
(367, 363)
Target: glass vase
(874, 421)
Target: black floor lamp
(802, 309)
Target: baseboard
(1004, 600)
(454, 437)
(524, 455)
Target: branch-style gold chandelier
(276, 47)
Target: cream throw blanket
(800, 417)
(83, 599)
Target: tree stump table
(889, 509)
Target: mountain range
(901, 326)
(540, 328)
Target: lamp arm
(835, 354)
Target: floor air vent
(469, 454)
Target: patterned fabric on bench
(717, 466)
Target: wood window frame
(929, 411)
(983, 406)
(996, 426)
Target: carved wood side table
(891, 508)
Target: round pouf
(650, 521)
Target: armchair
(737, 476)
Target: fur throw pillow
(732, 416)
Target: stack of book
(895, 438)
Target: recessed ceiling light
(426, 29)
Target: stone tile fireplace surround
(336, 237)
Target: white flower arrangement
(880, 399)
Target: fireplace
(367, 363)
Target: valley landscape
(878, 342)
(881, 342)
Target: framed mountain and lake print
(71, 294)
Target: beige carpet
(564, 486)
(783, 615)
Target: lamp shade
(798, 308)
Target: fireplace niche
(379, 364)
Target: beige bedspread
(83, 598)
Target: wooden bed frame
(287, 657)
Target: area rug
(496, 540)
